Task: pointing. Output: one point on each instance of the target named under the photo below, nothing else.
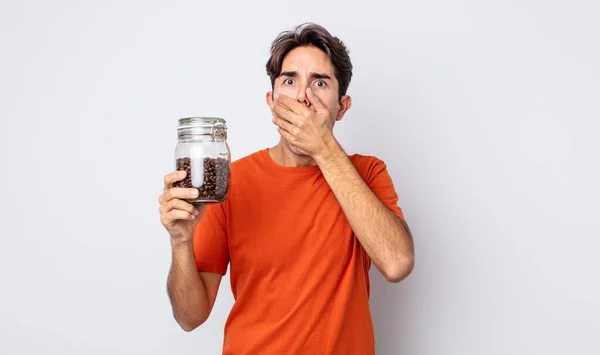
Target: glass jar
(202, 151)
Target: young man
(302, 223)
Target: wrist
(182, 244)
(330, 152)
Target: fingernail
(194, 192)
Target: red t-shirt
(299, 275)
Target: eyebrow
(312, 75)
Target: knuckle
(182, 205)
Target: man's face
(305, 67)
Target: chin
(292, 149)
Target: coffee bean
(215, 183)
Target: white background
(486, 113)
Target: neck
(284, 156)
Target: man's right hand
(176, 215)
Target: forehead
(307, 59)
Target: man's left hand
(308, 131)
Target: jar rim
(214, 127)
(200, 121)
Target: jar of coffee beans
(202, 151)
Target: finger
(296, 107)
(178, 204)
(284, 113)
(289, 103)
(169, 218)
(287, 136)
(179, 192)
(316, 101)
(283, 124)
(173, 177)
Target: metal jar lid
(214, 126)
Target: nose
(301, 95)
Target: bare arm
(383, 235)
(192, 293)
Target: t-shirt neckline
(285, 169)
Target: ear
(345, 104)
(269, 98)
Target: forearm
(186, 289)
(381, 233)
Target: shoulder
(252, 164)
(248, 160)
(367, 165)
(365, 160)
(370, 167)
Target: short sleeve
(380, 182)
(211, 250)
